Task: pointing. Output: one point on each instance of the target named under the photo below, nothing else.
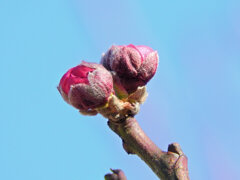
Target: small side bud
(117, 174)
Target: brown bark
(170, 165)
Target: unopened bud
(86, 87)
(134, 65)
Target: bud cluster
(113, 88)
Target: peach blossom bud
(134, 65)
(86, 86)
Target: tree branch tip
(117, 174)
(175, 148)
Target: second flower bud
(133, 66)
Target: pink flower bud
(134, 65)
(86, 86)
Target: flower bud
(134, 65)
(86, 87)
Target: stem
(171, 165)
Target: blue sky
(194, 98)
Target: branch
(170, 165)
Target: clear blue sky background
(194, 99)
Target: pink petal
(144, 50)
(81, 71)
(73, 76)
